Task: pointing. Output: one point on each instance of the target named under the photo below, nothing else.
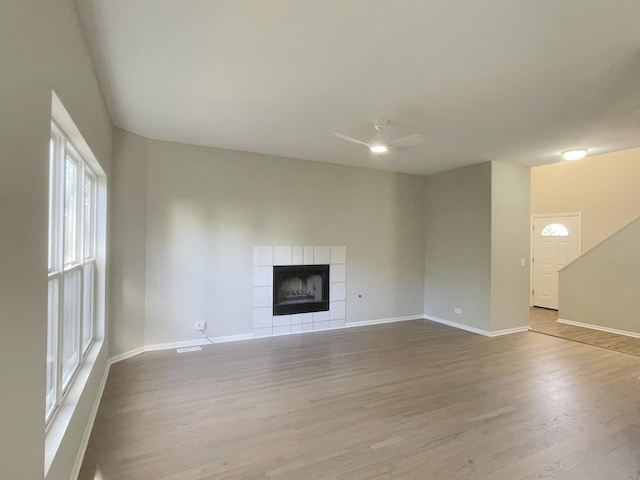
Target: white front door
(555, 243)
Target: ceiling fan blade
(407, 141)
(349, 139)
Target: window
(555, 230)
(71, 319)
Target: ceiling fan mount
(380, 124)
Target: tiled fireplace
(301, 280)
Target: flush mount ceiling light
(379, 148)
(575, 154)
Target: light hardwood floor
(411, 400)
(543, 320)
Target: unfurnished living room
(287, 239)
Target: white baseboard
(169, 346)
(486, 333)
(384, 320)
(125, 355)
(598, 327)
(245, 336)
(77, 465)
(460, 326)
(509, 331)
(233, 338)
(175, 345)
(250, 336)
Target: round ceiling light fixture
(379, 148)
(575, 154)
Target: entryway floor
(543, 320)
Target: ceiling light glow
(379, 148)
(574, 154)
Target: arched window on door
(555, 230)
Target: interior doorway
(555, 241)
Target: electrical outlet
(199, 325)
(457, 311)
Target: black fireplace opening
(300, 289)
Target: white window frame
(59, 271)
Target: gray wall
(458, 246)
(41, 48)
(601, 287)
(128, 242)
(510, 239)
(207, 209)
(477, 233)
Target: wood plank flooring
(543, 320)
(411, 400)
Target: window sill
(57, 429)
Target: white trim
(58, 425)
(598, 327)
(234, 338)
(457, 325)
(69, 144)
(247, 336)
(188, 349)
(486, 333)
(67, 125)
(348, 325)
(175, 345)
(509, 331)
(383, 320)
(125, 355)
(297, 333)
(77, 465)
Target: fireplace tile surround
(265, 257)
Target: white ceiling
(508, 80)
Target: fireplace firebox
(300, 289)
